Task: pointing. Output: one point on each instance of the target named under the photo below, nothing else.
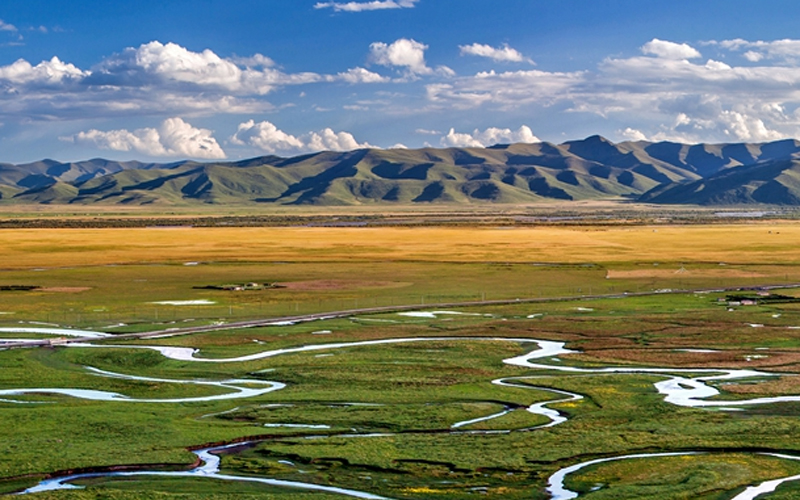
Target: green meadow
(380, 418)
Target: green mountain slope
(774, 183)
(593, 168)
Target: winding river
(210, 468)
(235, 385)
(681, 387)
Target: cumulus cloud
(174, 138)
(786, 50)
(268, 138)
(49, 72)
(4, 26)
(632, 134)
(500, 54)
(174, 66)
(673, 96)
(154, 78)
(404, 52)
(488, 137)
(328, 140)
(670, 50)
(360, 75)
(753, 56)
(364, 6)
(747, 128)
(670, 90)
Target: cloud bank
(706, 91)
(174, 138)
(499, 54)
(365, 6)
(671, 90)
(268, 138)
(488, 137)
(153, 79)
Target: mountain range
(589, 169)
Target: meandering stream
(679, 387)
(95, 395)
(210, 468)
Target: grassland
(106, 276)
(730, 244)
(407, 396)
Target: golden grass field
(761, 243)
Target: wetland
(631, 374)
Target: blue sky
(209, 79)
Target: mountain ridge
(590, 169)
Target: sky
(225, 80)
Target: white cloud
(404, 52)
(174, 138)
(672, 97)
(328, 140)
(508, 90)
(49, 72)
(753, 56)
(256, 60)
(4, 26)
(360, 75)
(152, 79)
(786, 50)
(172, 65)
(488, 137)
(364, 6)
(500, 54)
(631, 134)
(266, 137)
(670, 50)
(748, 128)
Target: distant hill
(593, 168)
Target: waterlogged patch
(299, 426)
(55, 331)
(558, 491)
(202, 302)
(433, 314)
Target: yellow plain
(776, 243)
